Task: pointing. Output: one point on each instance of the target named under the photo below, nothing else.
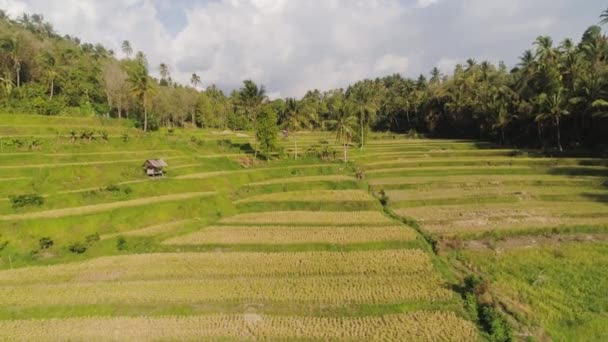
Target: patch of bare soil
(531, 241)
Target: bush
(121, 243)
(3, 244)
(383, 198)
(113, 188)
(478, 303)
(46, 242)
(77, 248)
(21, 201)
(91, 239)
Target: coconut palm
(343, 123)
(363, 100)
(195, 80)
(50, 63)
(127, 49)
(141, 84)
(164, 71)
(298, 115)
(555, 107)
(604, 17)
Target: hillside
(414, 239)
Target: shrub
(21, 201)
(46, 242)
(113, 188)
(91, 239)
(383, 198)
(77, 248)
(121, 243)
(3, 244)
(478, 303)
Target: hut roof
(157, 163)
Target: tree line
(555, 97)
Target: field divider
(90, 209)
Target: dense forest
(556, 97)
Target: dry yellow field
(312, 196)
(198, 266)
(314, 290)
(414, 326)
(310, 217)
(292, 235)
(325, 178)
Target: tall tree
(195, 80)
(11, 46)
(365, 106)
(50, 63)
(114, 80)
(343, 123)
(251, 97)
(127, 49)
(555, 109)
(141, 84)
(298, 115)
(266, 130)
(164, 71)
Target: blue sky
(294, 45)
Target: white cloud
(295, 45)
(425, 3)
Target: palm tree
(251, 97)
(299, 115)
(435, 75)
(141, 84)
(343, 123)
(604, 17)
(363, 100)
(11, 47)
(49, 61)
(195, 80)
(555, 106)
(127, 49)
(164, 71)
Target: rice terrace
(471, 206)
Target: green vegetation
(554, 97)
(404, 238)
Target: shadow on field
(578, 171)
(601, 198)
(243, 147)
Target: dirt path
(90, 209)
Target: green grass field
(227, 248)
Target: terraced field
(534, 227)
(227, 248)
(220, 248)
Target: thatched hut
(154, 167)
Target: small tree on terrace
(266, 130)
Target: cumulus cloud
(295, 45)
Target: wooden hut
(154, 167)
